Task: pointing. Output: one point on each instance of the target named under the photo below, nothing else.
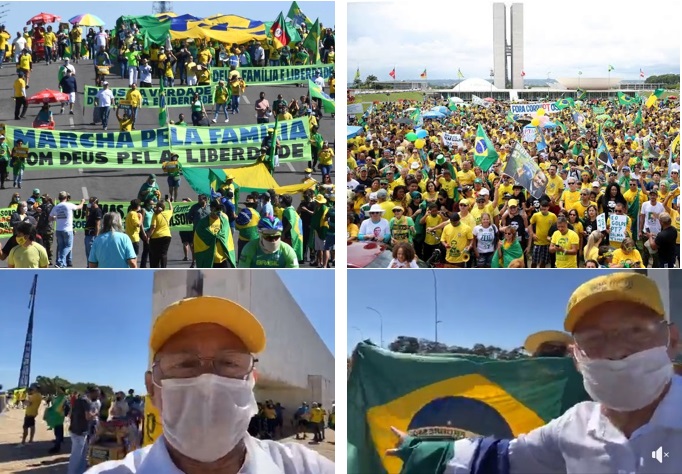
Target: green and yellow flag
(312, 42)
(297, 17)
(624, 99)
(484, 150)
(316, 92)
(448, 396)
(653, 98)
(562, 104)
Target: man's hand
(401, 439)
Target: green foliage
(672, 80)
(49, 385)
(413, 345)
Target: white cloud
(560, 38)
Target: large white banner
(528, 109)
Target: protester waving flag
(316, 92)
(611, 68)
(279, 32)
(638, 117)
(624, 99)
(484, 150)
(459, 74)
(541, 143)
(607, 159)
(297, 17)
(564, 103)
(653, 98)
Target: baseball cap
(478, 181)
(596, 184)
(630, 287)
(484, 192)
(360, 188)
(105, 83)
(397, 208)
(36, 191)
(513, 202)
(208, 309)
(535, 340)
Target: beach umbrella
(421, 133)
(49, 96)
(86, 19)
(456, 100)
(352, 131)
(42, 18)
(433, 115)
(489, 99)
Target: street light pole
(381, 325)
(435, 302)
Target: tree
(413, 345)
(671, 80)
(49, 386)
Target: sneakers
(214, 120)
(70, 112)
(227, 120)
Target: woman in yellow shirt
(351, 228)
(627, 256)
(430, 195)
(133, 223)
(326, 159)
(160, 235)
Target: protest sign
(521, 167)
(180, 96)
(274, 75)
(598, 110)
(49, 149)
(179, 221)
(531, 108)
(452, 140)
(530, 133)
(601, 222)
(354, 109)
(618, 229)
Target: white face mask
(270, 247)
(205, 417)
(627, 384)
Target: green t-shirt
(4, 152)
(253, 257)
(133, 58)
(400, 229)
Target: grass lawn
(392, 97)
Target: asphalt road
(123, 185)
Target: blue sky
(93, 326)
(19, 12)
(490, 307)
(560, 38)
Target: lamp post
(435, 303)
(381, 325)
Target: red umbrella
(489, 99)
(49, 96)
(42, 18)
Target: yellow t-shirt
(19, 87)
(214, 227)
(161, 222)
(569, 198)
(477, 213)
(457, 238)
(352, 231)
(632, 259)
(133, 226)
(25, 62)
(134, 97)
(449, 186)
(582, 209)
(592, 254)
(432, 238)
(466, 178)
(33, 256)
(566, 242)
(387, 206)
(542, 226)
(34, 401)
(125, 124)
(49, 39)
(468, 220)
(316, 415)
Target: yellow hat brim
(535, 340)
(210, 310)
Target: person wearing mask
(623, 346)
(149, 189)
(197, 212)
(63, 214)
(268, 251)
(221, 97)
(198, 110)
(263, 110)
(145, 71)
(247, 223)
(160, 235)
(84, 412)
(209, 434)
(27, 253)
(92, 223)
(112, 248)
(291, 223)
(213, 244)
(104, 99)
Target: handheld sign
(601, 222)
(618, 227)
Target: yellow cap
(513, 202)
(208, 309)
(535, 340)
(622, 286)
(464, 201)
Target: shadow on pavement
(9, 452)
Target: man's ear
(152, 390)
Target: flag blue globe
(481, 146)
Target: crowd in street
(428, 200)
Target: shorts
(540, 254)
(29, 422)
(173, 183)
(319, 243)
(72, 98)
(484, 259)
(186, 236)
(329, 242)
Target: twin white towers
(511, 52)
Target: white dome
(474, 85)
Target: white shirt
(399, 264)
(262, 457)
(583, 440)
(20, 44)
(64, 214)
(485, 238)
(379, 229)
(101, 40)
(319, 81)
(105, 98)
(652, 222)
(351, 184)
(145, 73)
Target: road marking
(291, 167)
(246, 100)
(86, 196)
(71, 122)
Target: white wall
(517, 45)
(294, 350)
(500, 44)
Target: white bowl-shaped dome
(474, 85)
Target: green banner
(598, 110)
(274, 75)
(175, 96)
(49, 149)
(179, 221)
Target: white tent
(456, 100)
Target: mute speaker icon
(658, 455)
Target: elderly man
(623, 347)
(202, 381)
(548, 344)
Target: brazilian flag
(626, 100)
(296, 235)
(484, 150)
(205, 242)
(581, 94)
(565, 103)
(448, 396)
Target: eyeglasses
(397, 211)
(272, 238)
(230, 364)
(637, 338)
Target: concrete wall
(296, 365)
(500, 44)
(516, 14)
